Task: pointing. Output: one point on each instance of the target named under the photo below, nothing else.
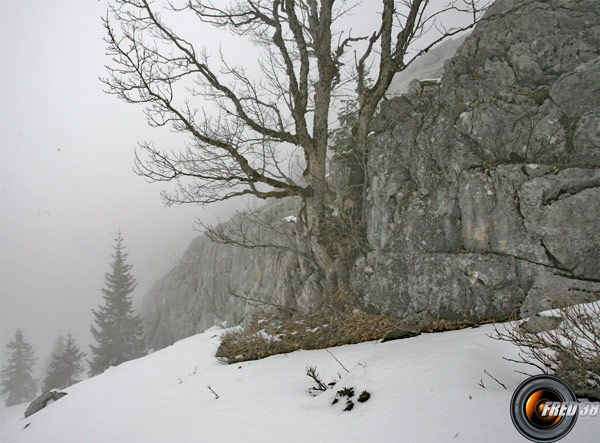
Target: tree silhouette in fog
(65, 365)
(117, 329)
(17, 383)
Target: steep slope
(423, 389)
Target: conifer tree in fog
(57, 350)
(17, 383)
(59, 345)
(116, 329)
(65, 365)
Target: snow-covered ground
(423, 389)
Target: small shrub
(349, 393)
(568, 348)
(364, 396)
(346, 392)
(311, 371)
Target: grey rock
(563, 212)
(207, 286)
(399, 334)
(483, 197)
(428, 66)
(42, 401)
(457, 288)
(491, 213)
(549, 289)
(538, 323)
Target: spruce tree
(17, 383)
(116, 329)
(51, 381)
(65, 366)
(59, 344)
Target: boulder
(42, 401)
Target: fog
(67, 184)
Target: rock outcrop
(428, 66)
(42, 401)
(484, 191)
(219, 283)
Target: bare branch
(244, 131)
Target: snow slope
(423, 389)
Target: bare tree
(243, 144)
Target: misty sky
(67, 184)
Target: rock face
(42, 401)
(427, 66)
(198, 292)
(484, 191)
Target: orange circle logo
(537, 410)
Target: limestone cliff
(484, 191)
(210, 283)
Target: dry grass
(264, 336)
